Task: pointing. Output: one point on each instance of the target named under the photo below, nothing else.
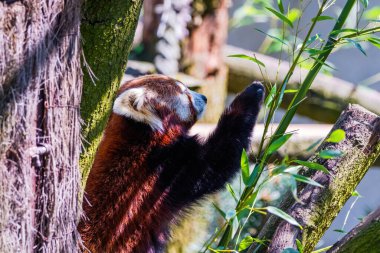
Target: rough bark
(365, 237)
(203, 56)
(320, 205)
(40, 90)
(107, 32)
(326, 99)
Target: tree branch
(365, 237)
(320, 205)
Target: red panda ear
(134, 103)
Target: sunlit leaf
(244, 163)
(245, 243)
(299, 246)
(293, 14)
(337, 136)
(306, 180)
(243, 56)
(330, 153)
(290, 91)
(312, 165)
(274, 146)
(278, 212)
(374, 41)
(344, 30)
(270, 97)
(280, 16)
(321, 18)
(372, 13)
(356, 194)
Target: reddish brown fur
(119, 181)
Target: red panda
(148, 168)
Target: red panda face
(159, 101)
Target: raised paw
(250, 98)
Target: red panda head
(159, 101)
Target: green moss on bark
(107, 31)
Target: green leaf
(271, 95)
(290, 91)
(306, 180)
(321, 18)
(245, 243)
(273, 37)
(278, 212)
(337, 136)
(290, 250)
(226, 236)
(357, 45)
(330, 153)
(229, 188)
(299, 246)
(274, 146)
(365, 3)
(312, 165)
(293, 14)
(243, 56)
(356, 194)
(372, 13)
(280, 16)
(280, 6)
(254, 175)
(223, 214)
(244, 163)
(312, 146)
(340, 231)
(374, 41)
(344, 30)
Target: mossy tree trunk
(320, 206)
(365, 237)
(40, 90)
(107, 30)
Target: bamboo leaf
(229, 188)
(280, 6)
(223, 214)
(312, 165)
(330, 153)
(274, 146)
(244, 163)
(280, 16)
(290, 250)
(243, 56)
(245, 243)
(271, 36)
(337, 136)
(374, 41)
(278, 212)
(357, 45)
(321, 18)
(365, 3)
(226, 236)
(270, 97)
(306, 180)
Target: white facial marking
(182, 86)
(182, 107)
(133, 104)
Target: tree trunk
(203, 56)
(107, 32)
(40, 90)
(365, 237)
(321, 205)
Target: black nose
(204, 98)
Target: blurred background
(191, 40)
